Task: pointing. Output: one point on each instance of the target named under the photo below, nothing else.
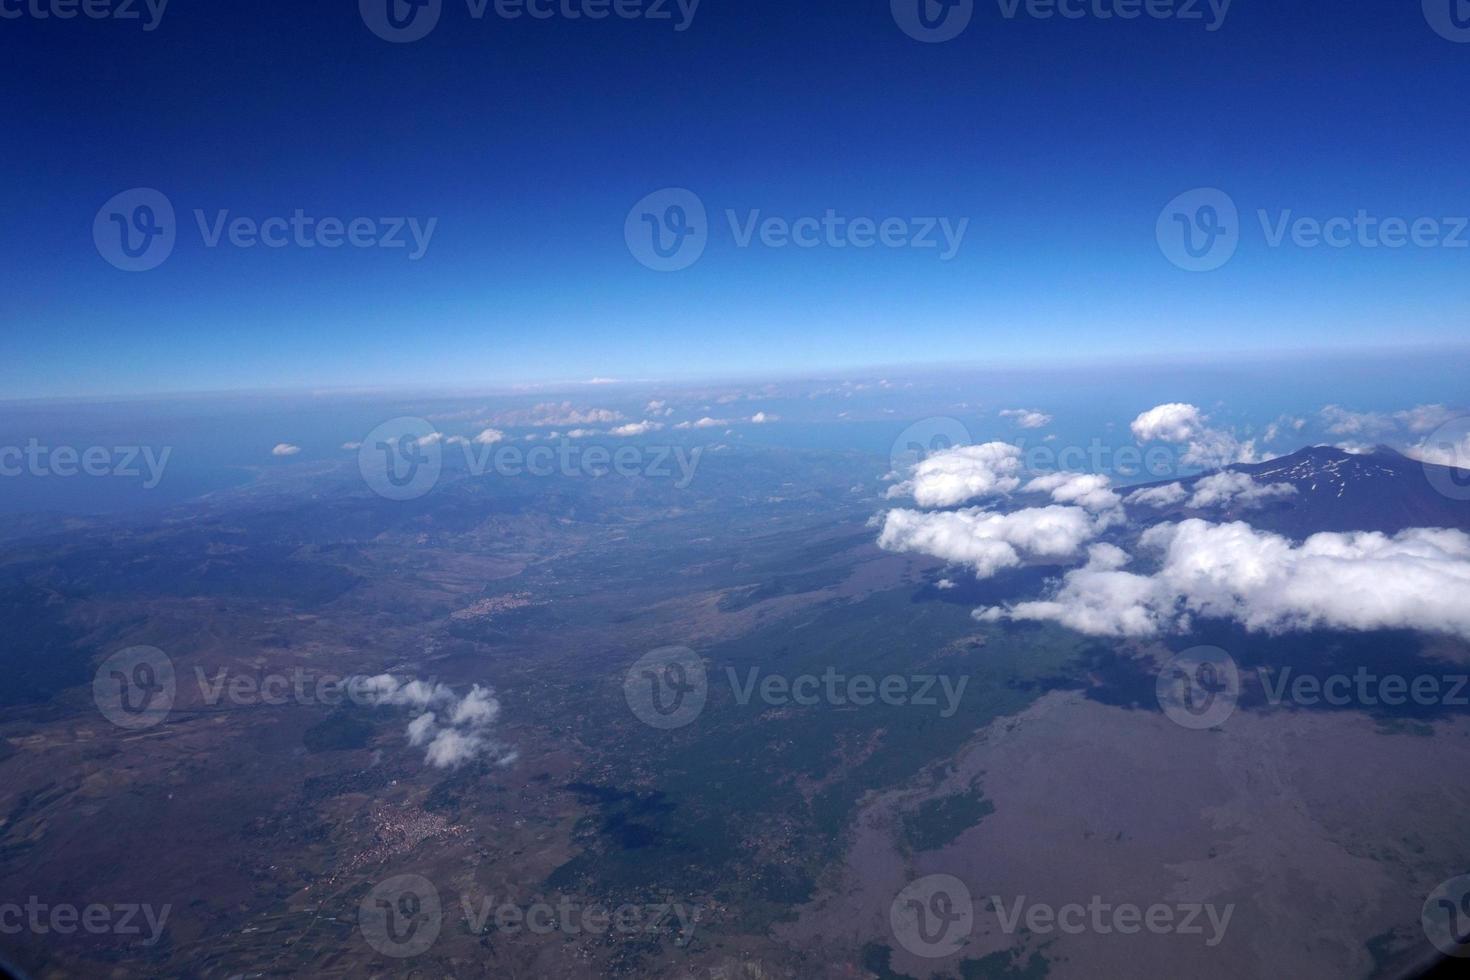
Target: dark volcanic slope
(1339, 491)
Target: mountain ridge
(1334, 490)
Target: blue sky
(528, 142)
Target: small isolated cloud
(352, 446)
(1090, 491)
(759, 418)
(637, 428)
(285, 449)
(1449, 451)
(548, 414)
(1236, 490)
(1426, 418)
(988, 542)
(658, 408)
(1165, 496)
(452, 730)
(1341, 422)
(438, 438)
(489, 437)
(1277, 428)
(1027, 418)
(581, 433)
(964, 473)
(1225, 489)
(1173, 422)
(1205, 447)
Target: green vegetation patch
(940, 821)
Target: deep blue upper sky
(529, 141)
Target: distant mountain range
(1382, 490)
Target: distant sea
(223, 441)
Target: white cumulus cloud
(1450, 451)
(1229, 489)
(1341, 422)
(954, 476)
(1165, 496)
(1027, 418)
(1172, 422)
(704, 423)
(1426, 418)
(451, 729)
(1091, 491)
(1416, 579)
(636, 428)
(988, 542)
(489, 437)
(1205, 447)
